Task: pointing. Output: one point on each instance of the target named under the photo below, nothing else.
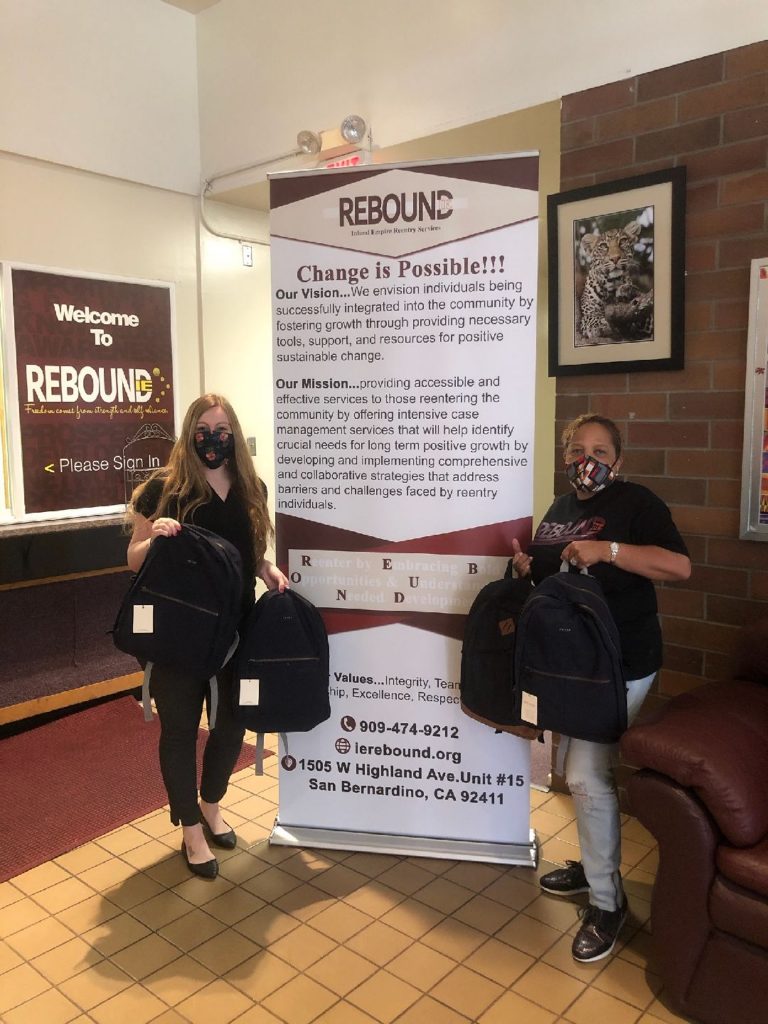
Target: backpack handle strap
(213, 689)
(145, 700)
(214, 684)
(258, 761)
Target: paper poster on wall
(754, 480)
(90, 362)
(404, 302)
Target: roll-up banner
(90, 361)
(404, 302)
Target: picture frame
(754, 474)
(616, 275)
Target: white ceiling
(193, 6)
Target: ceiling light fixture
(353, 129)
(348, 145)
(352, 132)
(309, 141)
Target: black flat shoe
(224, 840)
(208, 869)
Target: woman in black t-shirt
(624, 535)
(209, 481)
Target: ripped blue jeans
(590, 778)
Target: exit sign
(350, 160)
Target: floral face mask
(213, 447)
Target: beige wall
(112, 85)
(105, 85)
(268, 68)
(237, 325)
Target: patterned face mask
(213, 446)
(588, 474)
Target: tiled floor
(119, 931)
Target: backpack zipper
(288, 657)
(178, 600)
(606, 635)
(592, 613)
(563, 675)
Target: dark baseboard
(25, 724)
(26, 557)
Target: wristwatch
(614, 551)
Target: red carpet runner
(75, 779)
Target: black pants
(179, 701)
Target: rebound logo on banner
(404, 212)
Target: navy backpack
(183, 607)
(568, 668)
(281, 677)
(486, 685)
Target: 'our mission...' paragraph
(439, 437)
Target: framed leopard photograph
(616, 275)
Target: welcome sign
(91, 361)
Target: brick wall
(684, 429)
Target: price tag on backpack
(249, 692)
(143, 618)
(529, 710)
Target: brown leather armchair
(702, 791)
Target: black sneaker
(565, 881)
(598, 933)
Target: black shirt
(623, 512)
(229, 519)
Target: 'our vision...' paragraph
(405, 431)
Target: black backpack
(568, 669)
(487, 655)
(281, 675)
(183, 607)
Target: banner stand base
(521, 854)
